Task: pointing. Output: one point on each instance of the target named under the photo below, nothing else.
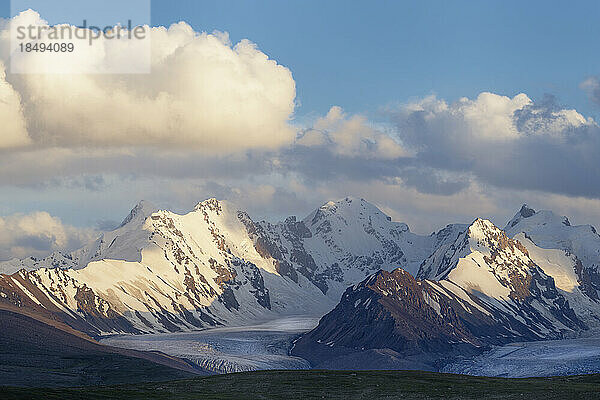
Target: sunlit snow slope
(160, 271)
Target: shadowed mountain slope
(38, 354)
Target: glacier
(228, 349)
(534, 359)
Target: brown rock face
(270, 247)
(393, 310)
(589, 280)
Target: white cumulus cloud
(203, 92)
(38, 234)
(508, 142)
(351, 136)
(592, 86)
(14, 131)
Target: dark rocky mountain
(393, 316)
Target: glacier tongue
(231, 349)
(528, 359)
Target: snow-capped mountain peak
(524, 212)
(570, 253)
(551, 231)
(481, 236)
(163, 271)
(484, 230)
(211, 204)
(347, 210)
(356, 238)
(138, 214)
(527, 216)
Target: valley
(231, 349)
(346, 287)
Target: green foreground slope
(314, 384)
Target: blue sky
(362, 57)
(366, 55)
(215, 120)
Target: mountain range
(482, 288)
(381, 289)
